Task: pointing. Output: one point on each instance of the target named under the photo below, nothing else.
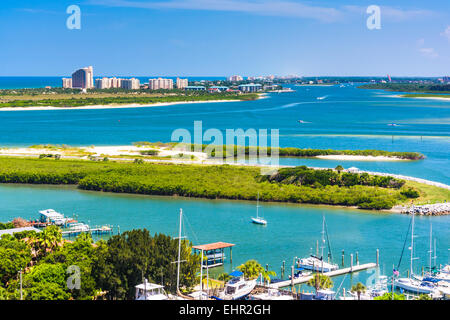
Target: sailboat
(258, 219)
(412, 283)
(315, 263)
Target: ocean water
(346, 118)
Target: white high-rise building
(115, 82)
(67, 82)
(182, 83)
(130, 84)
(160, 83)
(235, 78)
(103, 83)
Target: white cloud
(283, 8)
(446, 33)
(428, 52)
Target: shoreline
(360, 158)
(115, 106)
(428, 98)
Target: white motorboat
(150, 291)
(317, 264)
(238, 287)
(79, 227)
(273, 294)
(258, 219)
(325, 294)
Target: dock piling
(357, 258)
(292, 276)
(343, 255)
(378, 257)
(351, 261)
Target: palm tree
(320, 281)
(339, 168)
(49, 239)
(225, 277)
(359, 288)
(252, 269)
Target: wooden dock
(334, 273)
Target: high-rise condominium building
(83, 78)
(182, 83)
(115, 82)
(103, 83)
(235, 78)
(160, 83)
(67, 82)
(130, 84)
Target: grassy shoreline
(200, 181)
(289, 152)
(93, 100)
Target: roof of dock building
(213, 246)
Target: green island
(439, 89)
(64, 98)
(283, 152)
(299, 185)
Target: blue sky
(224, 37)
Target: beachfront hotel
(130, 84)
(235, 78)
(83, 78)
(182, 83)
(103, 83)
(67, 83)
(160, 83)
(251, 87)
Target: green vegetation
(388, 296)
(108, 270)
(211, 181)
(112, 99)
(320, 281)
(359, 288)
(234, 151)
(446, 96)
(409, 87)
(252, 269)
(305, 176)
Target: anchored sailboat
(258, 219)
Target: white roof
(14, 230)
(51, 214)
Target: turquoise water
(292, 229)
(348, 118)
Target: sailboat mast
(257, 206)
(323, 234)
(431, 241)
(412, 246)
(179, 251)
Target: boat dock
(334, 273)
(97, 230)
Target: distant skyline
(225, 37)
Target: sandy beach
(116, 106)
(428, 98)
(360, 158)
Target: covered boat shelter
(213, 253)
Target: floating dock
(98, 231)
(334, 273)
